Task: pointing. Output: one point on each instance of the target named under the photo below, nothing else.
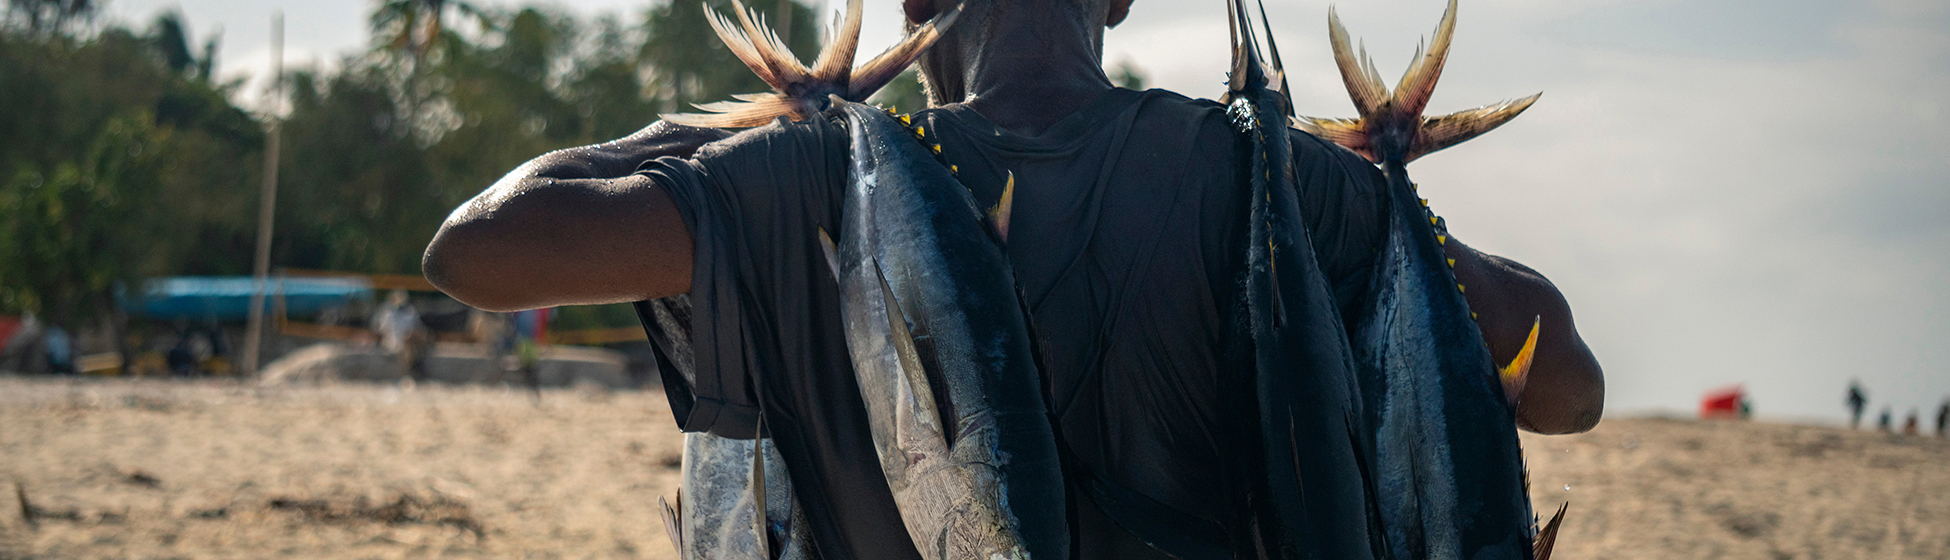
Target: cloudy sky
(1729, 191)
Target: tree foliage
(122, 157)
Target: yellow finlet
(1452, 263)
(1518, 372)
(999, 215)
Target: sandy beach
(174, 469)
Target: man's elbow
(459, 263)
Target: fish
(935, 326)
(1447, 467)
(940, 345)
(720, 494)
(1315, 497)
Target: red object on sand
(1722, 403)
(8, 326)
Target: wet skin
(576, 227)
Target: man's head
(989, 30)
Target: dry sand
(154, 469)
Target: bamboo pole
(267, 203)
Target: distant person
(497, 339)
(1909, 425)
(1884, 423)
(398, 325)
(182, 358)
(60, 351)
(1943, 420)
(1856, 402)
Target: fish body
(719, 503)
(1448, 467)
(940, 345)
(716, 515)
(1316, 497)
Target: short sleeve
(1345, 201)
(751, 203)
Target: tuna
(939, 340)
(1447, 467)
(941, 348)
(725, 481)
(1316, 497)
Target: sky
(1728, 191)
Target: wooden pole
(267, 203)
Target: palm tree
(416, 25)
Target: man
(1856, 402)
(1126, 233)
(1943, 420)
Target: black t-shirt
(1126, 240)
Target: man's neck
(1036, 67)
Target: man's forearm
(1565, 391)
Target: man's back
(1125, 243)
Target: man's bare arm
(574, 226)
(1566, 388)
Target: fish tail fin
(1455, 128)
(1348, 133)
(673, 527)
(1391, 126)
(1518, 372)
(1547, 538)
(870, 77)
(1418, 83)
(753, 110)
(1278, 70)
(1363, 83)
(999, 215)
(837, 59)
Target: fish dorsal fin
(1391, 126)
(1518, 372)
(799, 92)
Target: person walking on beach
(1856, 402)
(1943, 419)
(1884, 424)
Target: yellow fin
(999, 215)
(1518, 372)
